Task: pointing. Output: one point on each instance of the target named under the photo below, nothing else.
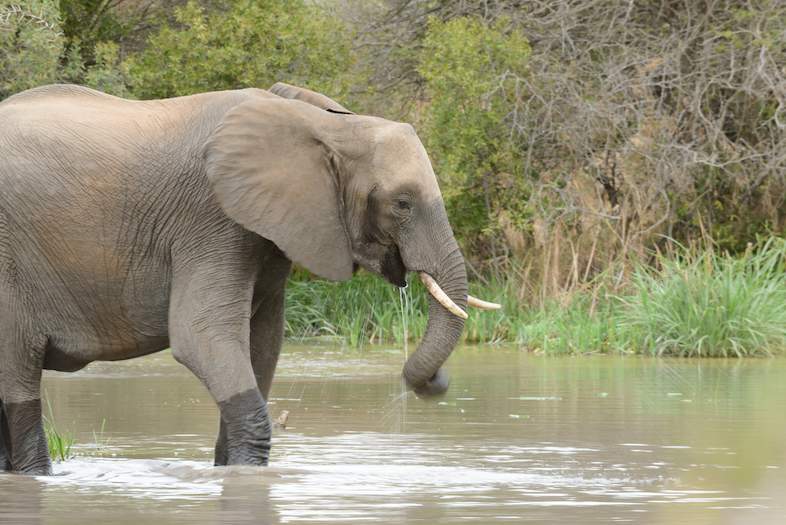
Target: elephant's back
(72, 100)
(80, 115)
(83, 183)
(99, 192)
(64, 125)
(54, 90)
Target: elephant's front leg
(209, 332)
(267, 330)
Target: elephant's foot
(39, 468)
(244, 438)
(26, 450)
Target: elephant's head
(335, 190)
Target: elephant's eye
(403, 204)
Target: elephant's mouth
(392, 267)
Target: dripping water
(398, 405)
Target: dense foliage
(31, 46)
(245, 44)
(470, 70)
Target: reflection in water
(518, 438)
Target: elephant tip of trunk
(435, 387)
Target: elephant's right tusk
(438, 294)
(481, 304)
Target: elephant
(129, 227)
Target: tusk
(438, 294)
(481, 304)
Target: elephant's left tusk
(439, 294)
(481, 304)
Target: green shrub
(472, 72)
(31, 46)
(108, 74)
(242, 44)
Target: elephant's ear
(306, 95)
(274, 172)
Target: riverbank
(692, 303)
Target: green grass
(570, 329)
(694, 303)
(59, 442)
(709, 304)
(367, 309)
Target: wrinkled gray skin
(127, 227)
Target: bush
(468, 67)
(31, 46)
(108, 74)
(242, 44)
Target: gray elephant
(127, 227)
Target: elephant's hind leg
(23, 437)
(5, 457)
(28, 448)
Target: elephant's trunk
(422, 371)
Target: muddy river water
(518, 439)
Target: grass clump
(573, 328)
(59, 442)
(367, 309)
(708, 304)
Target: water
(517, 439)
